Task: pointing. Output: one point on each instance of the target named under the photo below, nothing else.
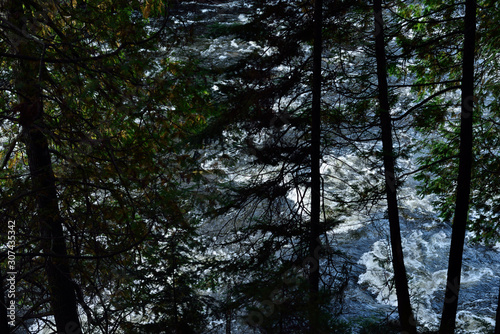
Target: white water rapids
(363, 237)
(426, 243)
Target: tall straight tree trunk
(50, 222)
(315, 227)
(62, 290)
(464, 174)
(406, 317)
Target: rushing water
(364, 238)
(426, 243)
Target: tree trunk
(315, 227)
(50, 222)
(464, 174)
(406, 317)
(63, 298)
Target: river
(363, 236)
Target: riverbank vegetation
(249, 166)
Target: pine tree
(406, 316)
(268, 120)
(464, 173)
(104, 121)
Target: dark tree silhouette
(315, 228)
(406, 317)
(464, 174)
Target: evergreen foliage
(159, 165)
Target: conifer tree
(93, 106)
(464, 173)
(284, 288)
(406, 317)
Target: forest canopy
(249, 166)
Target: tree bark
(50, 222)
(407, 320)
(315, 224)
(464, 174)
